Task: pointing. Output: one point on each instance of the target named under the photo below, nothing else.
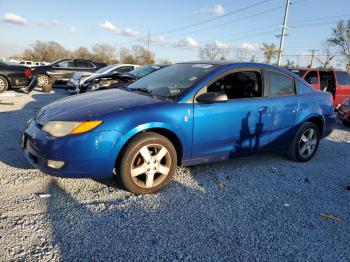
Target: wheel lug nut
(148, 169)
(154, 168)
(148, 163)
(154, 161)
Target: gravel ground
(262, 207)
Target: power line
(215, 18)
(231, 21)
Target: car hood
(92, 105)
(78, 75)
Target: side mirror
(212, 97)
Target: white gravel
(262, 207)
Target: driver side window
(243, 84)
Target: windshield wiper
(143, 90)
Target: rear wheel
(3, 84)
(44, 82)
(305, 143)
(148, 163)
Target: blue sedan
(184, 114)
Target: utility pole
(284, 27)
(115, 50)
(313, 51)
(148, 41)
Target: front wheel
(305, 143)
(148, 163)
(44, 82)
(3, 84)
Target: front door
(241, 124)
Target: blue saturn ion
(185, 114)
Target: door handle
(263, 109)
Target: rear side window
(280, 84)
(123, 69)
(343, 78)
(83, 64)
(311, 77)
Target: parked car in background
(13, 76)
(344, 112)
(116, 80)
(184, 114)
(334, 81)
(82, 79)
(62, 70)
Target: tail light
(27, 73)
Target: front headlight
(63, 128)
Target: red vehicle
(344, 112)
(335, 81)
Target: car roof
(228, 63)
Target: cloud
(72, 29)
(46, 23)
(109, 26)
(216, 10)
(221, 45)
(250, 46)
(188, 42)
(130, 32)
(14, 19)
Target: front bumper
(73, 87)
(86, 155)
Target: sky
(177, 29)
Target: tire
(4, 85)
(45, 83)
(346, 123)
(305, 143)
(142, 172)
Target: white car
(78, 78)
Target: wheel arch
(7, 79)
(318, 121)
(161, 130)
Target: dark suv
(62, 70)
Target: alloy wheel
(43, 80)
(150, 165)
(308, 143)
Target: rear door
(284, 99)
(63, 70)
(241, 124)
(342, 86)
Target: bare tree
(326, 56)
(210, 52)
(166, 61)
(341, 39)
(126, 57)
(45, 51)
(103, 53)
(82, 53)
(142, 56)
(289, 64)
(270, 52)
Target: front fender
(147, 126)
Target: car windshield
(172, 81)
(144, 70)
(105, 69)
